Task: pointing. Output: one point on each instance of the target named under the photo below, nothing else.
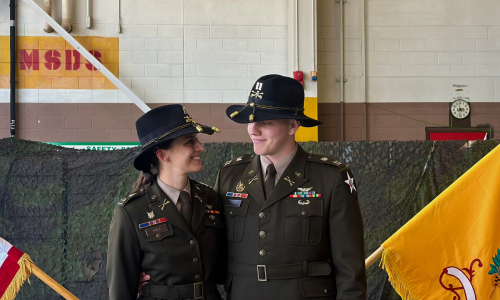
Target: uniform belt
(265, 272)
(193, 290)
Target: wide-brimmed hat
(161, 124)
(273, 97)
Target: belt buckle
(265, 273)
(195, 295)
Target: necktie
(186, 206)
(269, 184)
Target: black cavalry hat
(160, 125)
(273, 97)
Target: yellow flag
(450, 250)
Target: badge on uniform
(240, 187)
(151, 223)
(237, 195)
(234, 203)
(209, 211)
(305, 193)
(350, 182)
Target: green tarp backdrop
(56, 203)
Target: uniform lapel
(253, 180)
(199, 201)
(290, 180)
(164, 206)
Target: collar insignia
(289, 180)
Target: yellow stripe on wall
(309, 134)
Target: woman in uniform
(170, 227)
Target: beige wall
(415, 50)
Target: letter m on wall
(29, 60)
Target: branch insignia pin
(253, 179)
(165, 202)
(289, 180)
(198, 197)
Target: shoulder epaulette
(201, 184)
(125, 200)
(239, 160)
(326, 160)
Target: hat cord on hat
(296, 110)
(189, 122)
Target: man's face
(268, 137)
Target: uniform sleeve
(123, 265)
(347, 240)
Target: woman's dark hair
(148, 174)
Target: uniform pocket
(318, 286)
(213, 220)
(157, 232)
(304, 220)
(235, 218)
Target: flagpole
(374, 257)
(52, 283)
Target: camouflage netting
(56, 203)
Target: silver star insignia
(350, 182)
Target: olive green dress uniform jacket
(176, 255)
(293, 248)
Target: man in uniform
(294, 227)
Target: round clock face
(460, 109)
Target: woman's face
(184, 155)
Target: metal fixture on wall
(47, 7)
(87, 18)
(12, 68)
(66, 16)
(314, 72)
(119, 27)
(341, 79)
(363, 68)
(297, 34)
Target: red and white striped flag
(15, 268)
